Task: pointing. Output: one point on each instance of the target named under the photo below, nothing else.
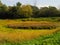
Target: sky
(39, 3)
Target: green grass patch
(53, 39)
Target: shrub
(32, 25)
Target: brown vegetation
(33, 25)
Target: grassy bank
(10, 36)
(51, 39)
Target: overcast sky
(39, 3)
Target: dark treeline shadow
(20, 11)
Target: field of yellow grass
(13, 35)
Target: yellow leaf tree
(26, 10)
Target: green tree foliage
(35, 11)
(3, 10)
(18, 4)
(48, 12)
(12, 12)
(43, 12)
(26, 11)
(1, 3)
(53, 11)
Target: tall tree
(1, 3)
(53, 11)
(26, 11)
(18, 4)
(12, 12)
(43, 12)
(3, 10)
(35, 11)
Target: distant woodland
(27, 11)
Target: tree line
(27, 11)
